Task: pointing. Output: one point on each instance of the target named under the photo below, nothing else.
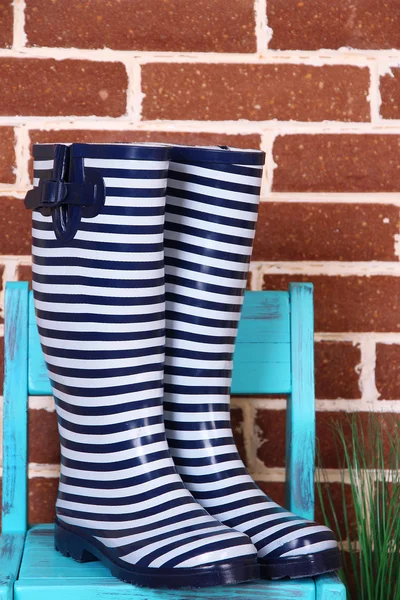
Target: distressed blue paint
(38, 379)
(15, 408)
(300, 420)
(46, 575)
(274, 354)
(262, 352)
(11, 547)
(329, 587)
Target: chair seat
(47, 575)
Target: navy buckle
(70, 195)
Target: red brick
(62, 87)
(326, 231)
(274, 489)
(6, 24)
(336, 373)
(44, 445)
(164, 137)
(24, 273)
(255, 92)
(270, 426)
(387, 373)
(237, 428)
(349, 303)
(337, 163)
(7, 155)
(315, 24)
(330, 447)
(42, 496)
(14, 218)
(171, 25)
(390, 94)
(337, 501)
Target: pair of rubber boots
(140, 261)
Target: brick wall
(315, 84)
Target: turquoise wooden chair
(274, 354)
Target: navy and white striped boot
(212, 203)
(98, 280)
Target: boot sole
(309, 565)
(82, 550)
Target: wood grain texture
(329, 587)
(300, 418)
(15, 418)
(11, 547)
(261, 362)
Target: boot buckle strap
(52, 193)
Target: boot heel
(70, 544)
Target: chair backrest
(273, 355)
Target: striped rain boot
(98, 280)
(212, 203)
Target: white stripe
(206, 451)
(119, 455)
(145, 468)
(103, 345)
(129, 539)
(111, 438)
(288, 537)
(161, 560)
(119, 417)
(125, 220)
(311, 548)
(93, 290)
(135, 556)
(193, 363)
(115, 526)
(199, 259)
(98, 309)
(99, 255)
(208, 278)
(128, 509)
(93, 273)
(109, 400)
(220, 228)
(195, 416)
(218, 555)
(120, 492)
(137, 184)
(127, 164)
(204, 242)
(101, 328)
(211, 174)
(216, 210)
(243, 510)
(213, 193)
(101, 237)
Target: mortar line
(356, 57)
(134, 93)
(19, 35)
(263, 32)
(22, 156)
(374, 93)
(330, 268)
(238, 127)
